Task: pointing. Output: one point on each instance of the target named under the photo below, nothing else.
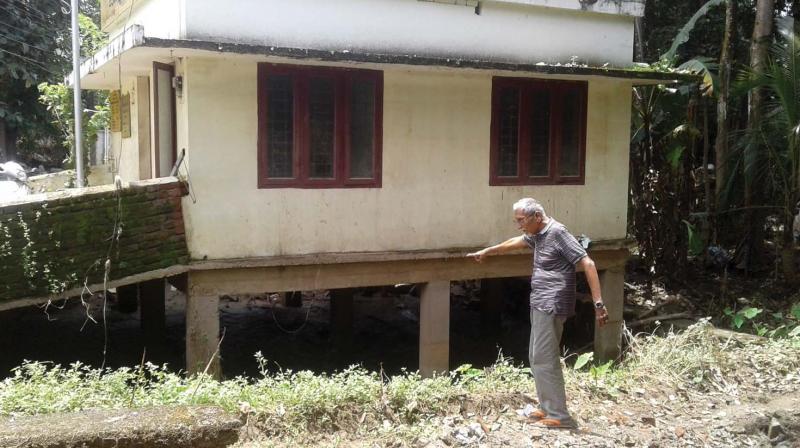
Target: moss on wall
(55, 242)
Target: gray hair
(529, 207)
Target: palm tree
(779, 130)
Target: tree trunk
(638, 49)
(709, 197)
(721, 145)
(3, 150)
(762, 32)
(8, 142)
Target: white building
(371, 142)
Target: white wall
(435, 190)
(125, 151)
(503, 31)
(160, 18)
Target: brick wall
(53, 242)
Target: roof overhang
(634, 8)
(132, 53)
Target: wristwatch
(599, 304)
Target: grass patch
(356, 400)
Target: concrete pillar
(434, 328)
(342, 318)
(202, 332)
(292, 299)
(127, 298)
(492, 299)
(153, 312)
(608, 340)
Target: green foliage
(92, 39)
(780, 325)
(36, 43)
(600, 371)
(301, 398)
(696, 245)
(707, 68)
(582, 360)
(58, 99)
(774, 325)
(683, 35)
(295, 403)
(665, 20)
(777, 172)
(674, 156)
(739, 318)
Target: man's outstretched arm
(511, 244)
(593, 279)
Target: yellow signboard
(111, 10)
(113, 102)
(125, 114)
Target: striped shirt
(555, 254)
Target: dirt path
(639, 423)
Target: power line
(27, 14)
(24, 43)
(31, 32)
(31, 19)
(22, 9)
(32, 61)
(28, 7)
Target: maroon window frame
(343, 79)
(527, 89)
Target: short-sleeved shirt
(555, 254)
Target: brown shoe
(555, 423)
(537, 415)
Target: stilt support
(342, 318)
(292, 299)
(492, 299)
(434, 328)
(127, 298)
(608, 339)
(202, 332)
(153, 312)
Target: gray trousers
(543, 353)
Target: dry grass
(300, 407)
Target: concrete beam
(608, 339)
(253, 279)
(434, 328)
(445, 263)
(202, 331)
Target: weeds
(289, 403)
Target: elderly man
(556, 253)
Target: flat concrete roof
(133, 53)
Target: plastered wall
(508, 31)
(125, 151)
(435, 191)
